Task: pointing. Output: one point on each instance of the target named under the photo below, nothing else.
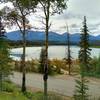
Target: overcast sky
(77, 9)
(74, 14)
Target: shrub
(95, 67)
(7, 86)
(40, 96)
(29, 95)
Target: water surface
(58, 52)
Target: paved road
(65, 87)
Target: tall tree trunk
(46, 52)
(46, 61)
(69, 54)
(69, 61)
(23, 58)
(1, 81)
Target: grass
(95, 46)
(34, 96)
(12, 92)
(51, 96)
(12, 96)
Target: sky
(73, 16)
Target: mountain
(53, 37)
(73, 37)
(33, 36)
(98, 37)
(14, 36)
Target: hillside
(35, 36)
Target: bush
(31, 66)
(29, 95)
(40, 96)
(95, 68)
(7, 86)
(55, 66)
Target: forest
(44, 78)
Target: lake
(58, 52)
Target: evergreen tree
(84, 53)
(5, 68)
(81, 92)
(84, 57)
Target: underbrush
(12, 92)
(95, 68)
(55, 66)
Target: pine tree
(84, 53)
(84, 57)
(81, 92)
(5, 68)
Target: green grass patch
(30, 96)
(95, 46)
(12, 96)
(92, 74)
(51, 96)
(12, 92)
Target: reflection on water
(16, 55)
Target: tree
(84, 57)
(81, 89)
(5, 68)
(84, 53)
(69, 58)
(18, 16)
(49, 7)
(42, 60)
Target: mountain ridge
(53, 36)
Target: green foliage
(95, 71)
(96, 65)
(8, 87)
(81, 89)
(29, 95)
(85, 59)
(5, 68)
(12, 96)
(40, 96)
(57, 6)
(84, 53)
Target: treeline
(42, 43)
(36, 43)
(18, 15)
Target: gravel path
(62, 86)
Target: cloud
(73, 15)
(77, 9)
